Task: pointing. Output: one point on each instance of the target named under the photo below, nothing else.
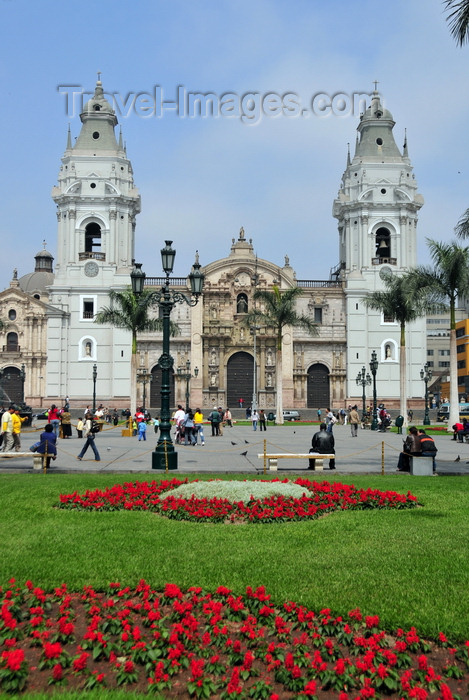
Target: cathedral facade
(97, 205)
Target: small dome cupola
(99, 120)
(376, 139)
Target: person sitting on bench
(323, 443)
(412, 448)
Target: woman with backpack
(91, 428)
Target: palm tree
(399, 302)
(131, 312)
(462, 227)
(458, 19)
(444, 282)
(278, 312)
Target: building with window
(97, 205)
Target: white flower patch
(236, 491)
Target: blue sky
(201, 179)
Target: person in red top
(456, 428)
(54, 418)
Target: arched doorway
(239, 379)
(155, 390)
(318, 387)
(11, 386)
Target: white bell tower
(97, 204)
(377, 208)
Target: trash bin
(270, 416)
(399, 423)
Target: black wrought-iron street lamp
(373, 370)
(22, 377)
(187, 376)
(426, 375)
(144, 378)
(164, 455)
(95, 375)
(253, 330)
(364, 380)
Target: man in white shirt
(7, 430)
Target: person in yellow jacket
(17, 422)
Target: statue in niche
(268, 380)
(214, 312)
(298, 359)
(213, 379)
(213, 356)
(269, 358)
(88, 348)
(387, 352)
(241, 333)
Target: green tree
(447, 280)
(277, 310)
(458, 19)
(132, 312)
(399, 302)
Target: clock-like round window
(385, 273)
(91, 269)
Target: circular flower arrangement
(259, 501)
(196, 644)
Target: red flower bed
(197, 644)
(325, 497)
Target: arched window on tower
(383, 245)
(12, 342)
(92, 238)
(241, 304)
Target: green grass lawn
(410, 567)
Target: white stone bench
(35, 456)
(272, 459)
(421, 466)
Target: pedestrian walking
(7, 430)
(199, 426)
(188, 423)
(54, 418)
(262, 422)
(142, 431)
(354, 421)
(91, 428)
(214, 419)
(254, 419)
(17, 422)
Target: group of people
(11, 429)
(189, 426)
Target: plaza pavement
(236, 452)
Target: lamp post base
(164, 457)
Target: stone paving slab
(236, 452)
